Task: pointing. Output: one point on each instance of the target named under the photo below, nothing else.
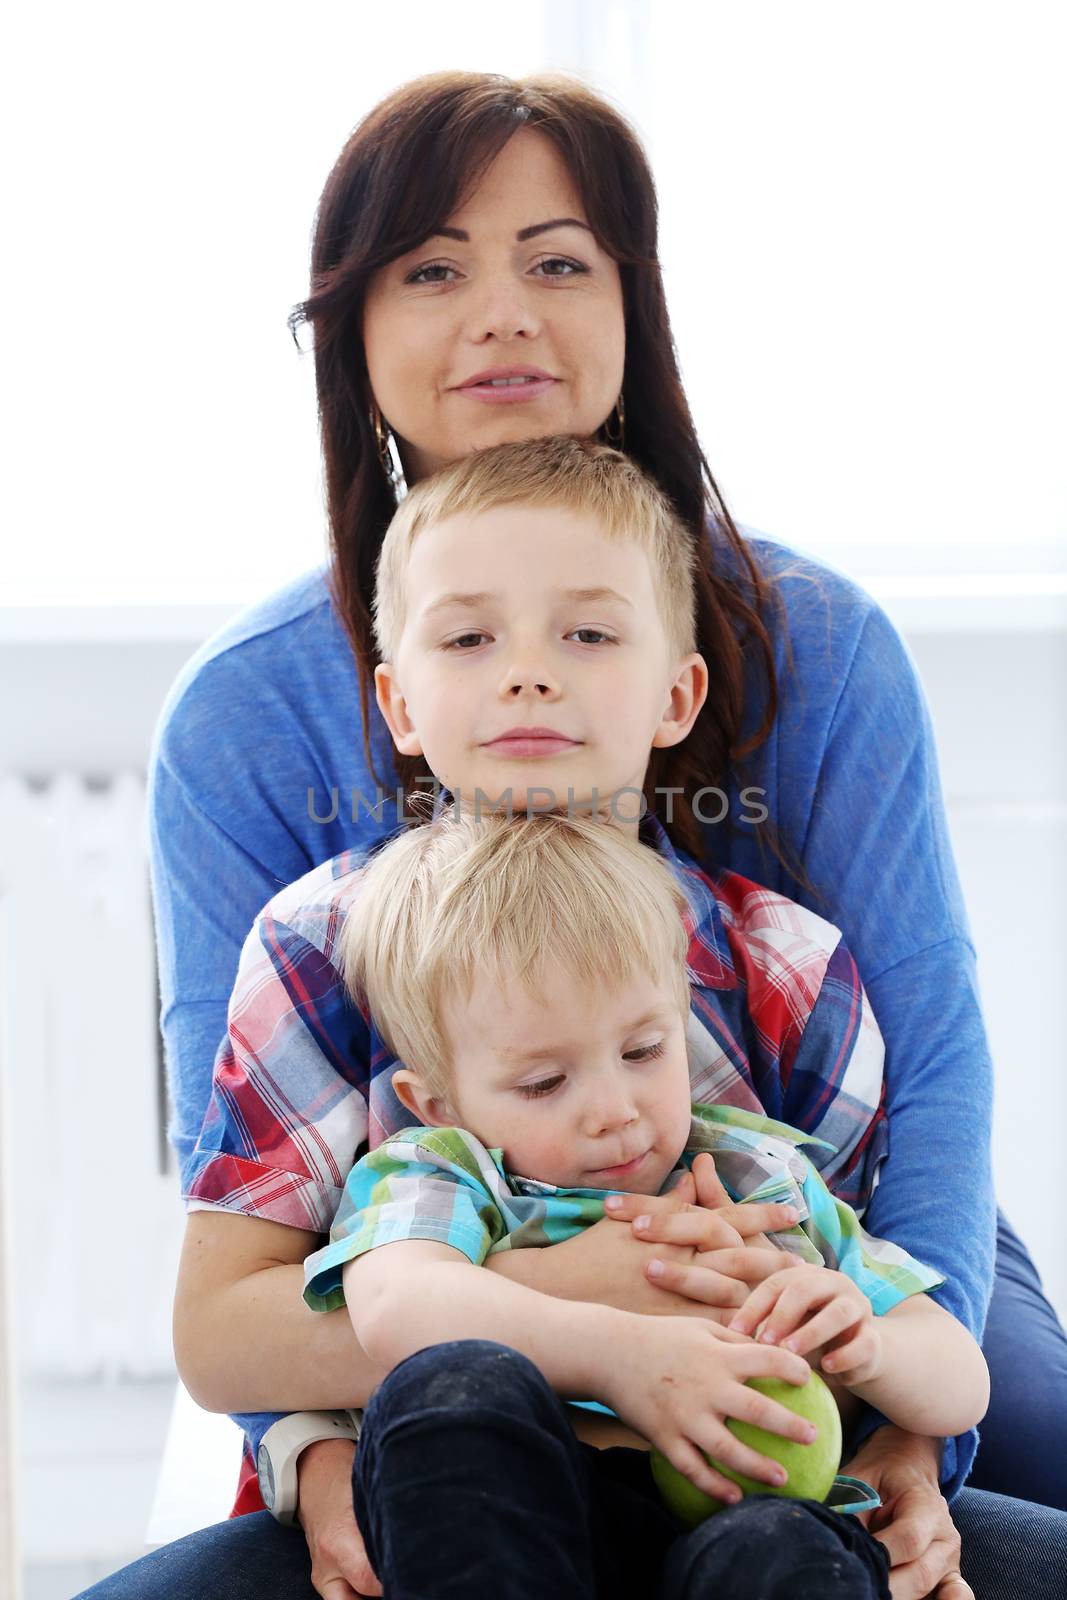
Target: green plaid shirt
(443, 1184)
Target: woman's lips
(526, 746)
(508, 394)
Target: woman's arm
(851, 779)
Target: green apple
(811, 1467)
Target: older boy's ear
(431, 1110)
(687, 694)
(394, 709)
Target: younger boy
(544, 959)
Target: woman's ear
(685, 697)
(394, 708)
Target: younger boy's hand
(676, 1381)
(811, 1307)
(728, 1239)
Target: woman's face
(509, 294)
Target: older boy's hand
(340, 1568)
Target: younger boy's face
(560, 633)
(589, 1091)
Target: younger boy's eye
(532, 1091)
(647, 1052)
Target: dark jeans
(1023, 1436)
(468, 1480)
(1012, 1547)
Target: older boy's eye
(449, 643)
(533, 1090)
(598, 634)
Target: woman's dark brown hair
(406, 168)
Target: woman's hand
(340, 1569)
(913, 1521)
(712, 1250)
(806, 1309)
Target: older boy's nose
(528, 674)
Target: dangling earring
(615, 431)
(388, 453)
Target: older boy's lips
(531, 742)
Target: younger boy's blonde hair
(509, 899)
(575, 474)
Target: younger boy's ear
(433, 1111)
(685, 698)
(394, 709)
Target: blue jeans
(1011, 1547)
(468, 1480)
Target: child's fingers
(709, 1188)
(689, 1461)
(765, 1216)
(702, 1284)
(625, 1207)
(829, 1323)
(705, 1230)
(748, 1405)
(759, 1303)
(803, 1293)
(752, 1360)
(750, 1264)
(729, 1451)
(846, 1358)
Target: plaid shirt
(780, 1026)
(443, 1184)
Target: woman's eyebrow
(524, 233)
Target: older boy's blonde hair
(508, 899)
(576, 474)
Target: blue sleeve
(878, 842)
(851, 777)
(212, 872)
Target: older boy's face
(533, 660)
(573, 1089)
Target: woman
(485, 269)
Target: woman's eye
(431, 266)
(573, 267)
(533, 1091)
(647, 1052)
(598, 634)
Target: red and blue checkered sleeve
(288, 1107)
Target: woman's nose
(504, 308)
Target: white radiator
(96, 1222)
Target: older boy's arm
(933, 1378)
(404, 1296)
